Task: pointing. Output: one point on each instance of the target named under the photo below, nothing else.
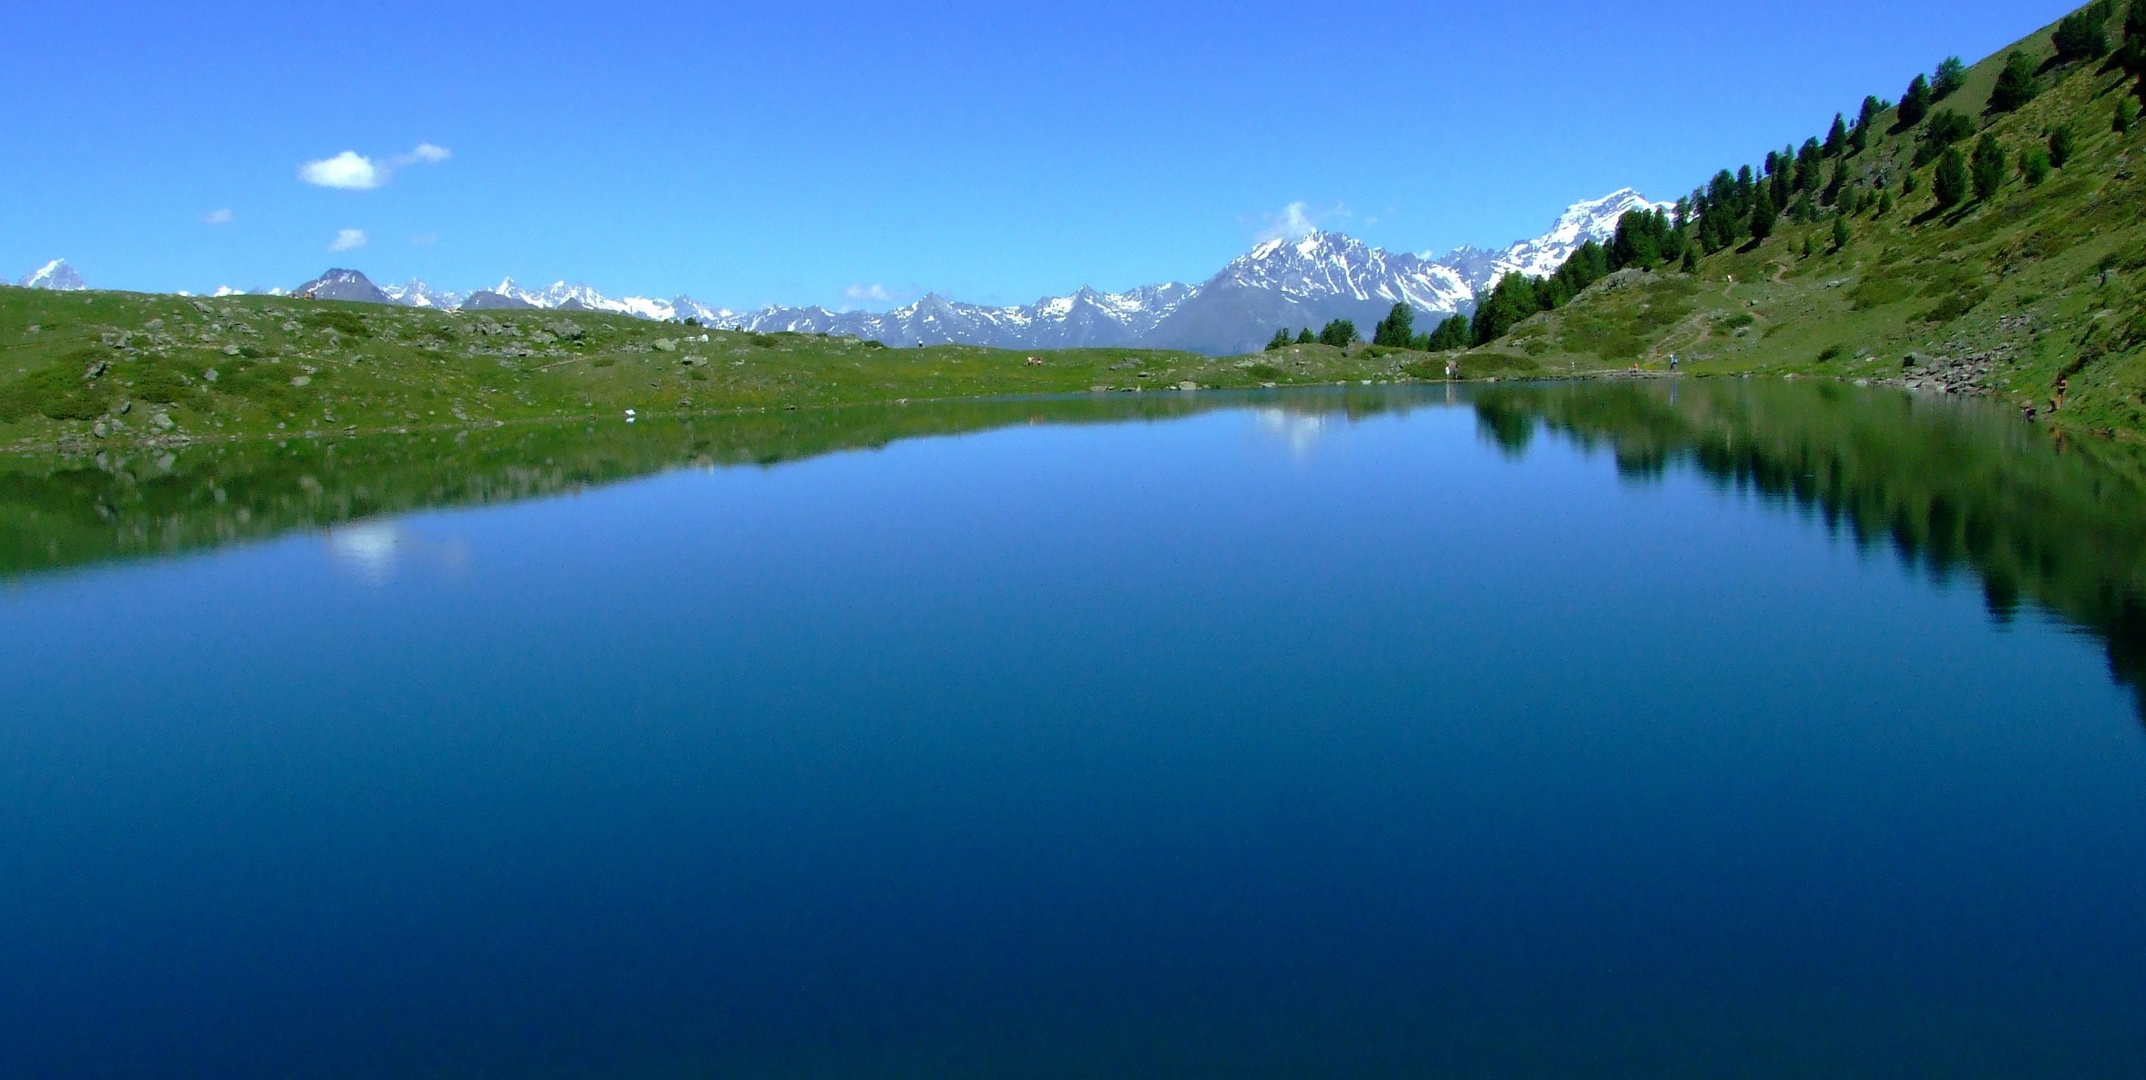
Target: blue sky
(834, 153)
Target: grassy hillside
(82, 371)
(2033, 295)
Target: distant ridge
(1282, 283)
(339, 284)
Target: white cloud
(425, 239)
(873, 293)
(347, 239)
(217, 217)
(1300, 219)
(352, 171)
(349, 171)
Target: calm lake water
(1727, 729)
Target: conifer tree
(1949, 184)
(2015, 84)
(1987, 168)
(2061, 144)
(1885, 203)
(1915, 104)
(1871, 108)
(1397, 329)
(1841, 233)
(1281, 340)
(2084, 34)
(1450, 334)
(1340, 333)
(1691, 260)
(1839, 181)
(2127, 112)
(1951, 75)
(1836, 137)
(1762, 214)
(1808, 250)
(1306, 337)
(2132, 55)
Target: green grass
(2012, 289)
(86, 370)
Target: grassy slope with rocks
(84, 371)
(2032, 296)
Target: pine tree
(1691, 260)
(1450, 334)
(1841, 234)
(1306, 337)
(1869, 115)
(2132, 56)
(1950, 182)
(1885, 203)
(1987, 168)
(2127, 112)
(2084, 34)
(2015, 84)
(1762, 215)
(1340, 333)
(1281, 340)
(2061, 144)
(1839, 181)
(1398, 329)
(1808, 249)
(1915, 104)
(1951, 75)
(1836, 136)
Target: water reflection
(1296, 428)
(1949, 486)
(367, 549)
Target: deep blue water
(1254, 743)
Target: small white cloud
(873, 293)
(217, 217)
(1300, 219)
(347, 239)
(348, 171)
(352, 171)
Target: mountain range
(1284, 283)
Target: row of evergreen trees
(1744, 206)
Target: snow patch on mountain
(56, 275)
(1281, 284)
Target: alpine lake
(1668, 728)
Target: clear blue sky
(796, 152)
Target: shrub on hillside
(2034, 165)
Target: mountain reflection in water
(1951, 486)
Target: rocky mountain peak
(55, 275)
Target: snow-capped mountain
(54, 275)
(340, 284)
(1086, 318)
(1287, 283)
(415, 293)
(1593, 220)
